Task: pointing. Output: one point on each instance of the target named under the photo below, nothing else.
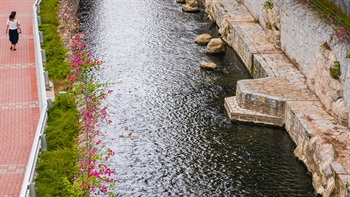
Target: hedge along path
(19, 108)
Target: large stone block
(236, 113)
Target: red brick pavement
(19, 111)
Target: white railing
(26, 189)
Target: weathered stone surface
(261, 68)
(247, 39)
(329, 90)
(274, 37)
(321, 151)
(268, 95)
(68, 15)
(320, 139)
(330, 187)
(308, 33)
(340, 111)
(188, 8)
(208, 65)
(192, 3)
(240, 114)
(343, 188)
(235, 37)
(216, 45)
(203, 39)
(271, 18)
(237, 11)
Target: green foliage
(63, 118)
(348, 54)
(48, 12)
(70, 190)
(268, 25)
(55, 52)
(268, 4)
(308, 135)
(54, 167)
(58, 165)
(331, 13)
(335, 70)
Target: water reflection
(188, 146)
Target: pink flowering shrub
(342, 34)
(95, 177)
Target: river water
(186, 144)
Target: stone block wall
(321, 143)
(248, 98)
(303, 36)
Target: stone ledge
(282, 67)
(219, 10)
(238, 12)
(237, 113)
(261, 68)
(268, 95)
(306, 120)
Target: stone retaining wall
(322, 144)
(302, 35)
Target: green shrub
(56, 54)
(54, 167)
(268, 25)
(335, 70)
(268, 4)
(57, 166)
(49, 10)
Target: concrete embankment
(281, 95)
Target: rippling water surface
(188, 146)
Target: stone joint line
(9, 66)
(22, 36)
(18, 14)
(22, 105)
(12, 168)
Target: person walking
(13, 29)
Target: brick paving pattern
(19, 110)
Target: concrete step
(235, 112)
(268, 95)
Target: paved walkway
(19, 110)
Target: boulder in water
(203, 39)
(192, 3)
(208, 65)
(216, 45)
(188, 8)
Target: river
(187, 146)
